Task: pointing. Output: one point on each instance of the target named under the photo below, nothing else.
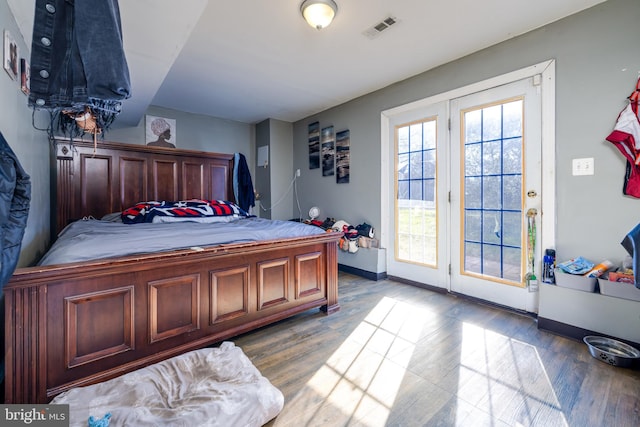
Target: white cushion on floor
(208, 387)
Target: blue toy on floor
(102, 422)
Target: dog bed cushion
(208, 387)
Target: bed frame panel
(77, 324)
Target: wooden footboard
(77, 324)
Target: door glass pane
(416, 230)
(492, 225)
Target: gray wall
(274, 181)
(30, 146)
(262, 177)
(597, 55)
(195, 132)
(281, 158)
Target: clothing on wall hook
(625, 133)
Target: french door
(496, 179)
(466, 172)
(420, 211)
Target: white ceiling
(248, 60)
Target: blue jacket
(77, 60)
(15, 195)
(631, 242)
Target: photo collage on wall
(333, 148)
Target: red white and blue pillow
(185, 210)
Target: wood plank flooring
(398, 355)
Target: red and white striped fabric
(187, 210)
(626, 137)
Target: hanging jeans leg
(78, 60)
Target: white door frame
(547, 215)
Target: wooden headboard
(92, 181)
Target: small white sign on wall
(263, 156)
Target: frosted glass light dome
(319, 13)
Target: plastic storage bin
(619, 289)
(574, 281)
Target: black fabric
(15, 196)
(244, 191)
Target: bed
(71, 324)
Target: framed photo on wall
(25, 76)
(314, 145)
(10, 59)
(160, 132)
(342, 157)
(328, 142)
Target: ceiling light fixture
(319, 13)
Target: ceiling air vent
(381, 26)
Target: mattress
(92, 239)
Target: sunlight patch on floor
(505, 379)
(359, 383)
(488, 377)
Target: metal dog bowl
(613, 352)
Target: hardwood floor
(398, 355)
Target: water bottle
(600, 269)
(548, 264)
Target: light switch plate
(583, 166)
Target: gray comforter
(94, 239)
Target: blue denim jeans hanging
(78, 62)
